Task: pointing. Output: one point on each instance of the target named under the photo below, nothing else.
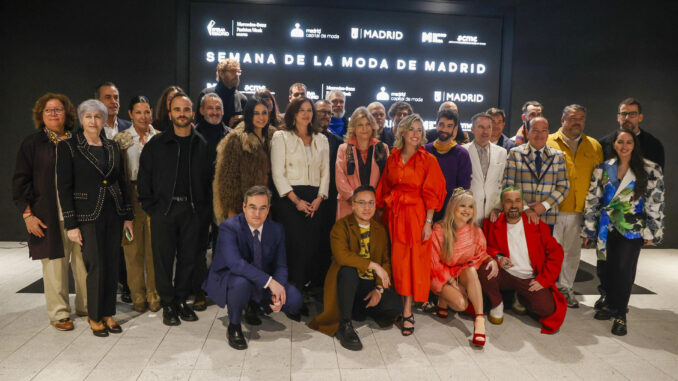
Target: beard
(627, 126)
(214, 119)
(444, 136)
(513, 213)
(182, 122)
(338, 114)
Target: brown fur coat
(241, 163)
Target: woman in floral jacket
(624, 211)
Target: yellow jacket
(579, 168)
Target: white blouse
(133, 153)
(290, 165)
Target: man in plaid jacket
(539, 170)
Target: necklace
(54, 138)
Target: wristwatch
(380, 289)
(430, 221)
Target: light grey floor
(281, 349)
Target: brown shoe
(140, 307)
(63, 324)
(154, 306)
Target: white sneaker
(496, 315)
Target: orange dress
(406, 191)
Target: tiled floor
(281, 349)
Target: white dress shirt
(111, 131)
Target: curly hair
(39, 109)
(360, 113)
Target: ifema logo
(216, 32)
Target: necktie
(484, 160)
(537, 162)
(256, 250)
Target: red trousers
(540, 302)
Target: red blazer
(546, 257)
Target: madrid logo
(215, 31)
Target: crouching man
(529, 262)
(357, 283)
(250, 265)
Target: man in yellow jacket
(582, 154)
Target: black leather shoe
(169, 316)
(236, 339)
(251, 314)
(619, 326)
(126, 295)
(604, 313)
(293, 316)
(348, 337)
(200, 302)
(600, 303)
(186, 312)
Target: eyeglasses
(363, 204)
(631, 114)
(323, 112)
(56, 111)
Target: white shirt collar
(260, 229)
(535, 150)
(133, 131)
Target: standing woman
(300, 166)
(410, 190)
(459, 261)
(94, 199)
(162, 109)
(360, 161)
(138, 252)
(243, 160)
(624, 211)
(34, 193)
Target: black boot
(348, 337)
(619, 325)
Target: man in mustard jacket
(582, 154)
(357, 283)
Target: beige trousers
(139, 256)
(567, 232)
(55, 278)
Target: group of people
(381, 218)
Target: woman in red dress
(459, 261)
(411, 188)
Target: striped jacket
(550, 187)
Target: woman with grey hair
(411, 188)
(94, 199)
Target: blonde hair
(360, 113)
(448, 224)
(227, 64)
(406, 125)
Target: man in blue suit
(250, 265)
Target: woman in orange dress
(459, 261)
(411, 188)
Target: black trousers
(620, 269)
(351, 290)
(176, 235)
(100, 253)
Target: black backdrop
(564, 52)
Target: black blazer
(33, 185)
(82, 184)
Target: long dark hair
(264, 94)
(248, 116)
(637, 164)
(293, 110)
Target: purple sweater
(456, 167)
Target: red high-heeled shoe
(477, 336)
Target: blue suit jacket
(123, 124)
(234, 257)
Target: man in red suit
(529, 260)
